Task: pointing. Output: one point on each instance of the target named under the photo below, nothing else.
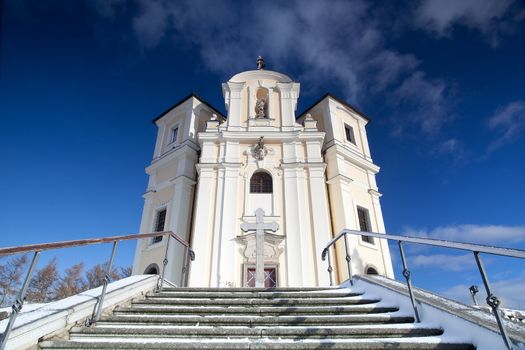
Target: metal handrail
(476, 249)
(40, 247)
(82, 242)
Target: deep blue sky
(443, 82)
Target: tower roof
(260, 74)
(192, 95)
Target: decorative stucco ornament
(260, 151)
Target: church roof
(184, 100)
(341, 101)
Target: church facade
(312, 174)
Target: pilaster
(232, 93)
(202, 227)
(364, 141)
(180, 224)
(161, 135)
(321, 227)
(144, 228)
(226, 226)
(298, 244)
(378, 215)
(288, 97)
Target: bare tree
(125, 271)
(71, 283)
(10, 278)
(95, 275)
(43, 286)
(48, 284)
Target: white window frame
(352, 133)
(368, 222)
(155, 218)
(173, 138)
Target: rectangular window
(160, 220)
(174, 134)
(364, 224)
(349, 132)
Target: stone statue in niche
(260, 106)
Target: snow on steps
(258, 319)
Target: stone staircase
(240, 318)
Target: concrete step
(254, 294)
(254, 333)
(139, 308)
(247, 289)
(415, 343)
(251, 320)
(154, 299)
(273, 319)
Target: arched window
(261, 182)
(371, 271)
(152, 269)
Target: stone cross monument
(259, 227)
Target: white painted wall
(319, 179)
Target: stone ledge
(58, 316)
(467, 313)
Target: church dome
(260, 74)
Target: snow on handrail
(82, 242)
(476, 249)
(511, 252)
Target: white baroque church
(311, 173)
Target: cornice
(339, 177)
(269, 136)
(175, 153)
(375, 193)
(352, 157)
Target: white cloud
(443, 261)
(486, 16)
(152, 23)
(343, 44)
(508, 122)
(482, 234)
(429, 98)
(450, 147)
(107, 8)
(509, 291)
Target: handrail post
(406, 274)
(19, 302)
(324, 255)
(105, 283)
(190, 257)
(492, 301)
(164, 264)
(185, 263)
(348, 261)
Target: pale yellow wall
(167, 172)
(173, 119)
(339, 129)
(161, 197)
(203, 117)
(154, 253)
